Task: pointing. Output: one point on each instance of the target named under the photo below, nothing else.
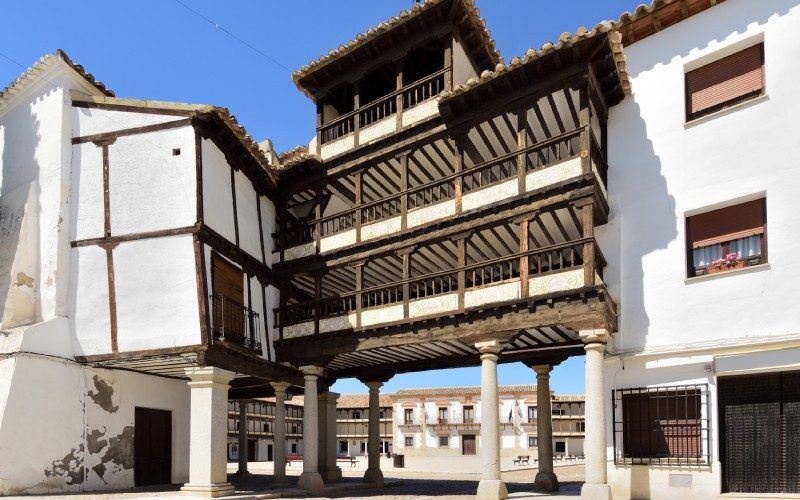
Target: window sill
(744, 104)
(744, 270)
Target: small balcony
(382, 117)
(234, 323)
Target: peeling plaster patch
(93, 442)
(24, 280)
(100, 469)
(120, 450)
(102, 397)
(70, 467)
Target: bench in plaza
(351, 460)
(522, 459)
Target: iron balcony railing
(235, 323)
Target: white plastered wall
(662, 170)
(91, 448)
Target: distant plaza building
(446, 421)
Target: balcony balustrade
(232, 322)
(380, 118)
(540, 271)
(544, 164)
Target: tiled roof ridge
(404, 16)
(294, 157)
(32, 72)
(473, 388)
(565, 40)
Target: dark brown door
(468, 444)
(760, 433)
(152, 447)
(251, 450)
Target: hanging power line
(232, 35)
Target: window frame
(702, 421)
(409, 442)
(443, 438)
(534, 440)
(762, 258)
(690, 117)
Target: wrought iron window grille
(235, 323)
(666, 426)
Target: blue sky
(162, 50)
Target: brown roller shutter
(726, 224)
(728, 80)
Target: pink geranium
(732, 257)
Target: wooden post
(357, 115)
(461, 253)
(524, 259)
(357, 183)
(588, 247)
(283, 215)
(522, 143)
(585, 119)
(399, 98)
(317, 298)
(406, 255)
(318, 216)
(448, 63)
(284, 303)
(320, 122)
(458, 167)
(359, 269)
(403, 157)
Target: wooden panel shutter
(726, 80)
(228, 280)
(725, 224)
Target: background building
(447, 420)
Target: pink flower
(732, 257)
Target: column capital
(208, 376)
(374, 385)
(597, 336)
(311, 371)
(542, 370)
(280, 386)
(489, 347)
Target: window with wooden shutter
(726, 239)
(730, 80)
(227, 282)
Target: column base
(330, 473)
(374, 476)
(596, 492)
(240, 473)
(311, 481)
(491, 489)
(545, 481)
(208, 490)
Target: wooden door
(251, 450)
(152, 447)
(468, 446)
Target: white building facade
(132, 257)
(446, 422)
(702, 369)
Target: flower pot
(739, 264)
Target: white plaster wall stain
(103, 394)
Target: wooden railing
(540, 261)
(415, 93)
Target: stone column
(491, 486)
(374, 474)
(279, 436)
(208, 429)
(243, 458)
(596, 484)
(327, 439)
(545, 480)
(310, 479)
